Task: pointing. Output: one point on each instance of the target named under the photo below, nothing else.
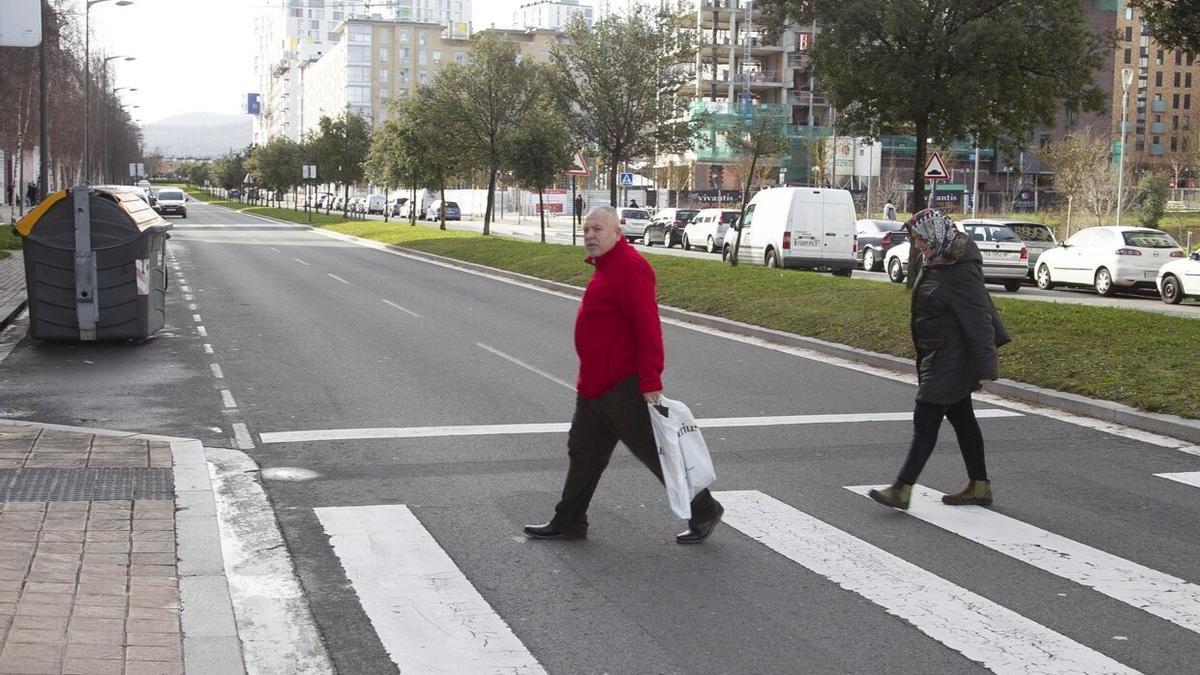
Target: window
(1128, 56)
(358, 95)
(1175, 102)
(1187, 122)
(422, 57)
(421, 38)
(1187, 80)
(314, 24)
(1129, 33)
(383, 74)
(360, 34)
(459, 57)
(1175, 121)
(358, 54)
(404, 53)
(358, 74)
(437, 58)
(383, 54)
(1177, 78)
(402, 35)
(1158, 79)
(1174, 144)
(1187, 101)
(422, 77)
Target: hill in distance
(198, 134)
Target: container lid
(117, 215)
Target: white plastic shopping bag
(686, 465)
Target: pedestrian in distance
(618, 337)
(889, 210)
(633, 204)
(578, 208)
(956, 331)
(31, 194)
(8, 194)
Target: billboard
(253, 106)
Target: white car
(172, 200)
(1179, 279)
(708, 229)
(1107, 258)
(1005, 258)
(634, 222)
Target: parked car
(875, 237)
(1179, 279)
(634, 222)
(1107, 258)
(708, 229)
(1005, 256)
(233, 194)
(1038, 238)
(399, 206)
(172, 201)
(436, 208)
(666, 227)
(806, 228)
(375, 204)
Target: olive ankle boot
(895, 496)
(977, 493)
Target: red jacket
(617, 331)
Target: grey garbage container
(95, 266)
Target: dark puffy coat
(955, 329)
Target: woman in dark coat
(955, 330)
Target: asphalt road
(309, 333)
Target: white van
(375, 204)
(806, 228)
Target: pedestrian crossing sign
(935, 169)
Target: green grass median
(1142, 359)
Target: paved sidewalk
(12, 277)
(89, 563)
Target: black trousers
(927, 419)
(619, 415)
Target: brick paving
(87, 587)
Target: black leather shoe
(699, 531)
(552, 531)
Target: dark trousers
(927, 419)
(619, 415)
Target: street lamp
(1126, 80)
(87, 76)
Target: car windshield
(636, 213)
(991, 233)
(1032, 232)
(170, 194)
(685, 215)
(451, 205)
(1149, 239)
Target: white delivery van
(805, 228)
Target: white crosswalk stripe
(1187, 478)
(1162, 595)
(978, 628)
(430, 618)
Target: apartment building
(1162, 132)
(375, 62)
(551, 14)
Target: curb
(210, 638)
(1108, 411)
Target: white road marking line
(188, 296)
(1187, 478)
(216, 370)
(389, 303)
(337, 278)
(208, 349)
(201, 331)
(519, 362)
(560, 427)
(196, 318)
(227, 399)
(1110, 428)
(193, 306)
(979, 629)
(185, 289)
(268, 601)
(276, 250)
(242, 435)
(1162, 595)
(300, 261)
(427, 614)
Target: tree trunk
(345, 200)
(442, 207)
(542, 213)
(918, 195)
(387, 209)
(737, 241)
(491, 202)
(612, 183)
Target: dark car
(667, 226)
(451, 209)
(875, 237)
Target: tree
(1175, 24)
(538, 152)
(618, 82)
(432, 150)
(1154, 189)
(340, 146)
(951, 69)
(277, 165)
(1083, 171)
(484, 102)
(229, 170)
(386, 162)
(758, 134)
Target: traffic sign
(935, 169)
(625, 179)
(578, 166)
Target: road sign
(935, 169)
(309, 171)
(578, 166)
(137, 169)
(625, 179)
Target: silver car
(1038, 238)
(634, 223)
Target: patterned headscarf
(935, 228)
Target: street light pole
(87, 87)
(1126, 80)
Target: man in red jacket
(618, 337)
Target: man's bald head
(601, 230)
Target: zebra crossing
(431, 618)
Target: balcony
(1158, 128)
(1156, 149)
(1158, 106)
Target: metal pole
(1126, 79)
(87, 93)
(574, 213)
(975, 180)
(44, 126)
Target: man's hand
(652, 396)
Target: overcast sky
(198, 55)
